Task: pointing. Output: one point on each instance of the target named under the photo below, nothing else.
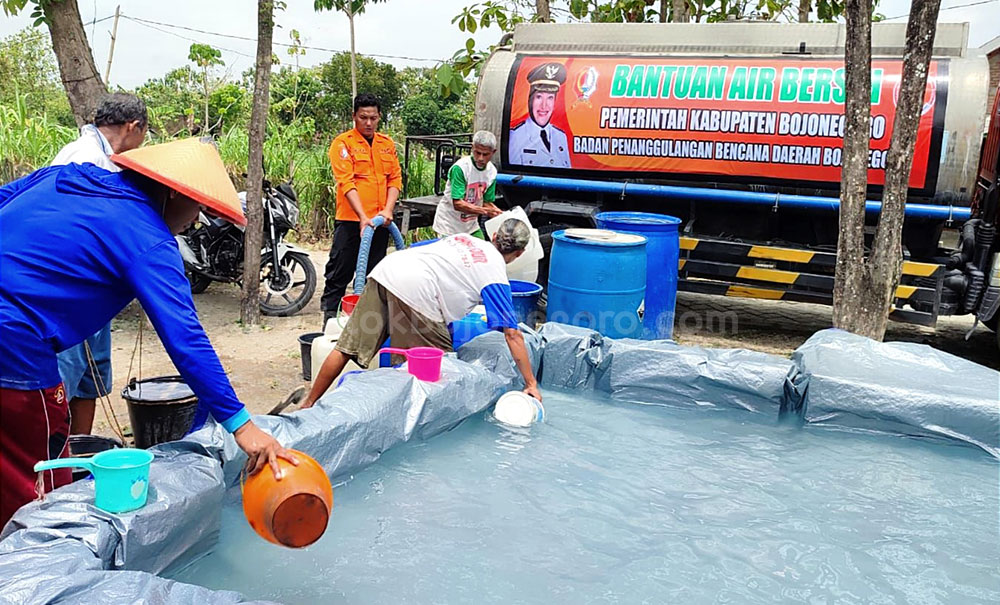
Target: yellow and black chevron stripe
(808, 284)
(712, 249)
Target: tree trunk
(542, 12)
(664, 10)
(864, 291)
(250, 302)
(354, 60)
(887, 249)
(804, 7)
(681, 12)
(204, 81)
(76, 61)
(854, 307)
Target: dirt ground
(264, 364)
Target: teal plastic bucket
(121, 477)
(597, 280)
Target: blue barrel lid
(644, 220)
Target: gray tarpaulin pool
(855, 472)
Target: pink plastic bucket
(422, 362)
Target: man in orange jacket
(369, 179)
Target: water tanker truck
(737, 129)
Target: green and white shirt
(465, 182)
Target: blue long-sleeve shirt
(77, 244)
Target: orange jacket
(371, 169)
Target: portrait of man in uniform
(536, 142)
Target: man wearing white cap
(59, 258)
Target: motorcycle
(213, 251)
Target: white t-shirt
(443, 281)
(90, 148)
(465, 182)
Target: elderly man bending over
(412, 295)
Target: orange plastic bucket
(348, 302)
(292, 512)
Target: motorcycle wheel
(199, 283)
(287, 291)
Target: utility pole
(111, 51)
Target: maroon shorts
(34, 426)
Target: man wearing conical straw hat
(78, 244)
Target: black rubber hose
(966, 245)
(985, 234)
(977, 280)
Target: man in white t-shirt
(120, 124)
(412, 295)
(470, 191)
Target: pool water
(608, 502)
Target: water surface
(617, 503)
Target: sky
(419, 30)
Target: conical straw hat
(191, 167)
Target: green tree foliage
(426, 111)
(616, 11)
(351, 8)
(294, 93)
(206, 57)
(28, 69)
(452, 76)
(172, 101)
(335, 106)
(228, 106)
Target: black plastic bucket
(82, 446)
(305, 349)
(161, 409)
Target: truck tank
(739, 106)
(737, 129)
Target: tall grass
(28, 141)
(291, 153)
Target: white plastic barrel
(525, 267)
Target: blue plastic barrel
(662, 254)
(597, 282)
(525, 295)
